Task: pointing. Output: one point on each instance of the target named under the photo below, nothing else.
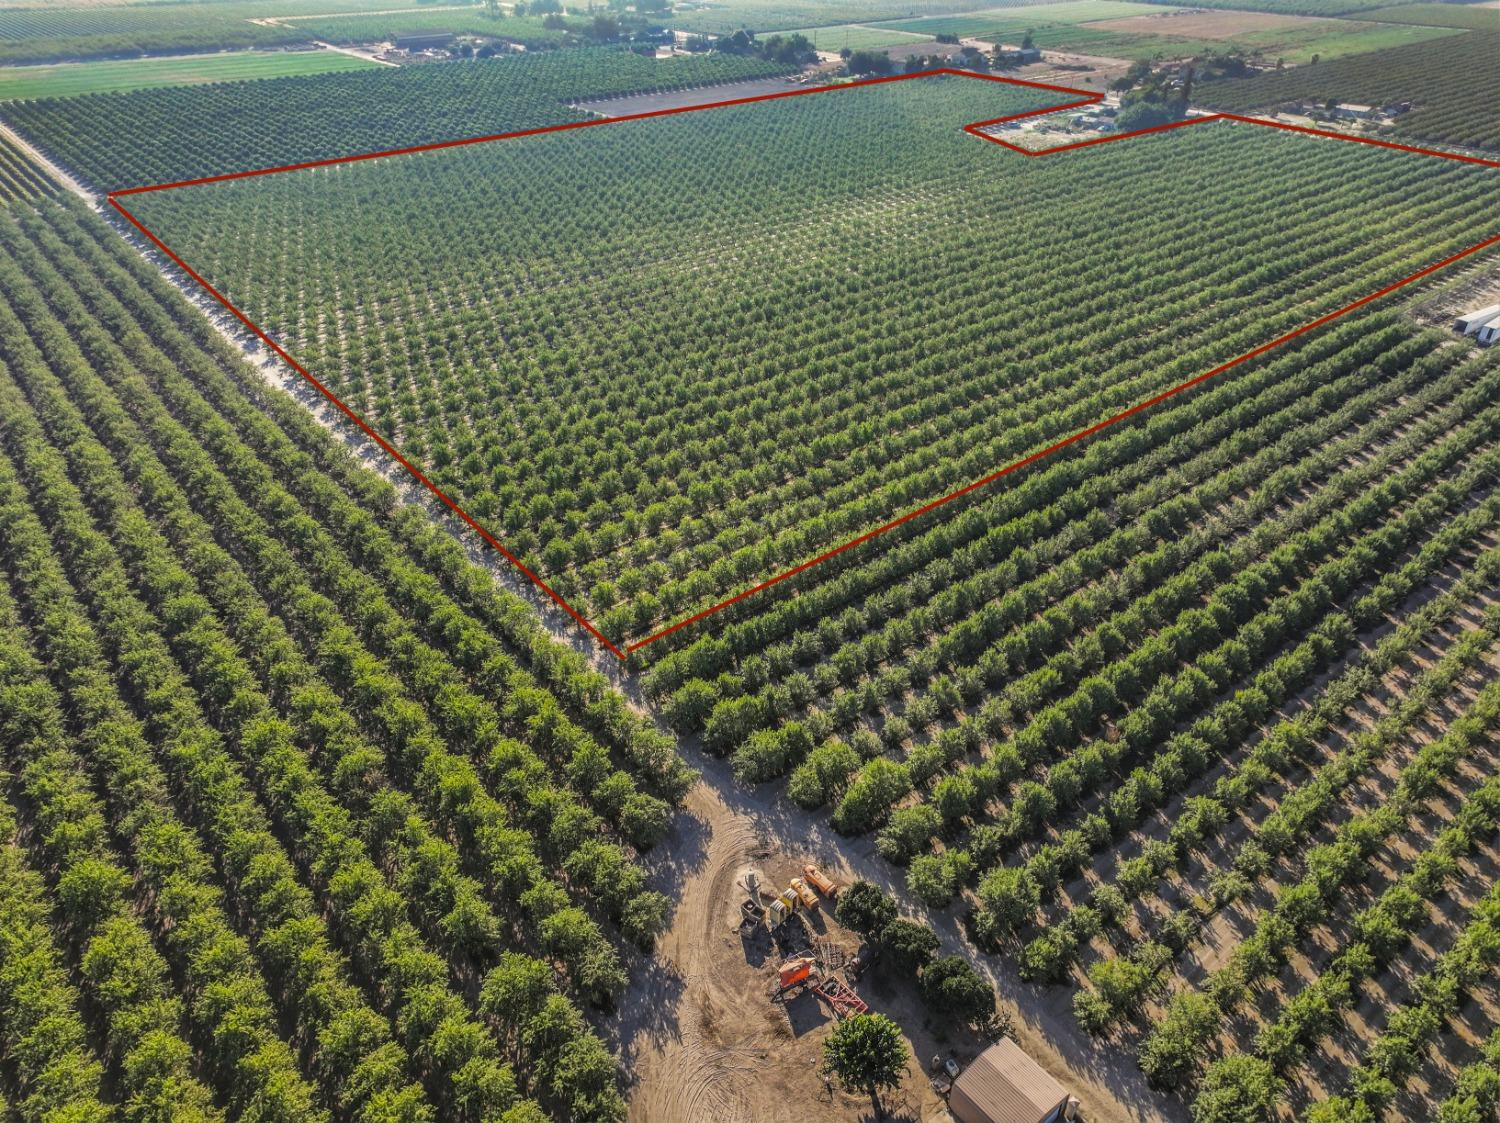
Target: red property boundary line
(1083, 98)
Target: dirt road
(51, 169)
(700, 1039)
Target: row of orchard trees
(1269, 767)
(1143, 655)
(653, 436)
(383, 834)
(115, 141)
(1084, 683)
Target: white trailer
(1471, 322)
(1490, 332)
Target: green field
(343, 30)
(57, 34)
(70, 79)
(151, 136)
(785, 15)
(115, 716)
(604, 538)
(1185, 732)
(1067, 12)
(1239, 654)
(1474, 17)
(1357, 8)
(857, 37)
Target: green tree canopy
(868, 1054)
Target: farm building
(427, 41)
(1490, 333)
(1004, 1085)
(1471, 322)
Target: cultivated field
(1173, 755)
(58, 34)
(1451, 82)
(1294, 7)
(531, 31)
(153, 136)
(858, 37)
(69, 79)
(1477, 17)
(594, 350)
(728, 16)
(1113, 28)
(172, 695)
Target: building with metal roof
(1004, 1085)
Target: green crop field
(1037, 15)
(727, 517)
(529, 30)
(858, 37)
(1357, 8)
(57, 34)
(43, 32)
(1005, 696)
(153, 742)
(70, 79)
(1475, 17)
(727, 16)
(20, 179)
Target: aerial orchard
(1193, 721)
(121, 140)
(654, 422)
(292, 698)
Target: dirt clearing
(700, 1038)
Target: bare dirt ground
(1474, 287)
(1063, 68)
(701, 1039)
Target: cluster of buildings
(1098, 122)
(1349, 111)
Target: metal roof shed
(1004, 1085)
(1490, 332)
(1470, 322)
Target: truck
(820, 881)
(808, 898)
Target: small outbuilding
(1490, 333)
(1004, 1085)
